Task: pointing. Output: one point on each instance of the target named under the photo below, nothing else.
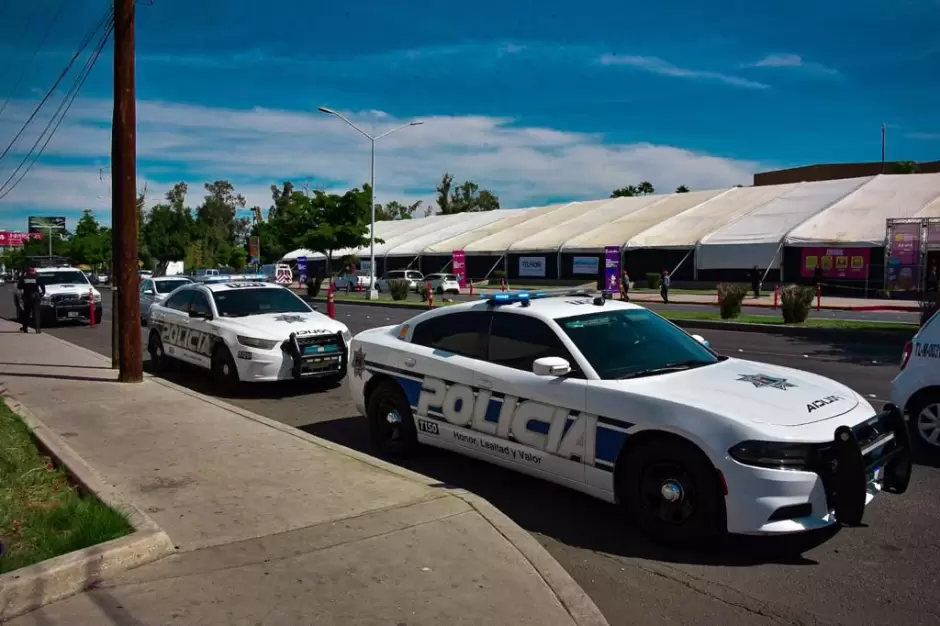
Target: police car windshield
(245, 301)
(166, 286)
(627, 343)
(63, 277)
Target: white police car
(247, 332)
(916, 388)
(611, 399)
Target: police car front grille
(69, 299)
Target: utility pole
(884, 137)
(124, 197)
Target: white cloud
(924, 136)
(659, 66)
(255, 148)
(792, 60)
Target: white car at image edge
(247, 332)
(611, 399)
(916, 388)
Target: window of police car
(63, 277)
(630, 343)
(242, 302)
(516, 341)
(180, 302)
(166, 286)
(200, 304)
(463, 334)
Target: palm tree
(646, 188)
(682, 189)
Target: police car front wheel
(925, 422)
(224, 370)
(391, 424)
(155, 349)
(672, 492)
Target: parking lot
(884, 572)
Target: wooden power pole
(124, 196)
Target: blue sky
(537, 101)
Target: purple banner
(612, 269)
(905, 244)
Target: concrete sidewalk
(274, 526)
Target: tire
(440, 291)
(224, 372)
(394, 439)
(924, 420)
(670, 466)
(98, 315)
(158, 357)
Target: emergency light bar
(509, 297)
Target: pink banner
(16, 240)
(851, 263)
(459, 263)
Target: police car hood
(73, 289)
(281, 325)
(755, 392)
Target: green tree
(217, 225)
(395, 210)
(467, 197)
(645, 188)
(904, 167)
(238, 258)
(90, 244)
(327, 223)
(169, 228)
(682, 189)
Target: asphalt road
(884, 572)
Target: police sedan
(611, 399)
(247, 332)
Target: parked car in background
(153, 290)
(412, 276)
(443, 283)
(355, 280)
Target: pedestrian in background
(625, 287)
(32, 291)
(755, 281)
(664, 286)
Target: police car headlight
(253, 342)
(97, 297)
(775, 455)
(46, 300)
(347, 336)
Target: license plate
(72, 314)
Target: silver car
(154, 290)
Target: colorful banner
(254, 250)
(612, 269)
(905, 244)
(301, 269)
(9, 239)
(847, 263)
(585, 265)
(459, 263)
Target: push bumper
(68, 312)
(846, 474)
(316, 356)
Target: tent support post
(444, 269)
(695, 269)
(412, 262)
(494, 266)
(771, 264)
(558, 265)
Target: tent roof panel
(771, 222)
(537, 220)
(621, 229)
(460, 242)
(453, 228)
(592, 215)
(686, 229)
(859, 219)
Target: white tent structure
(499, 242)
(461, 224)
(858, 221)
(507, 224)
(757, 237)
(621, 229)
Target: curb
(575, 600)
(31, 587)
(807, 332)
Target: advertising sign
(459, 263)
(933, 235)
(903, 270)
(612, 269)
(10, 239)
(42, 224)
(849, 263)
(585, 265)
(301, 269)
(254, 250)
(532, 266)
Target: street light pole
(373, 291)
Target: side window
(200, 303)
(145, 286)
(180, 302)
(518, 340)
(458, 333)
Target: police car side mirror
(202, 315)
(551, 366)
(148, 292)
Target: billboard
(459, 262)
(532, 267)
(903, 271)
(43, 224)
(612, 269)
(9, 239)
(850, 263)
(254, 250)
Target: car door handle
(410, 362)
(485, 382)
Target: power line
(28, 66)
(60, 113)
(108, 16)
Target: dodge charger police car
(247, 332)
(611, 399)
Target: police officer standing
(32, 291)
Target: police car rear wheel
(224, 371)
(672, 493)
(155, 349)
(925, 423)
(391, 423)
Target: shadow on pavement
(183, 375)
(83, 367)
(92, 379)
(568, 516)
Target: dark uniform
(33, 291)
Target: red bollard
(818, 297)
(430, 295)
(776, 295)
(470, 282)
(502, 284)
(91, 308)
(331, 302)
